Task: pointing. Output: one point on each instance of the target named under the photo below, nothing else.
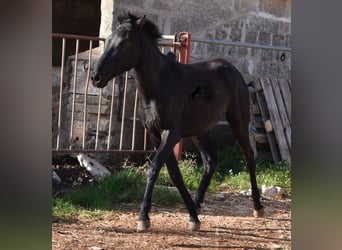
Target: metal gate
(92, 120)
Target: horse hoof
(259, 213)
(143, 225)
(194, 226)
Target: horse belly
(200, 120)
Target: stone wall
(263, 22)
(92, 109)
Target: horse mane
(149, 28)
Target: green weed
(128, 185)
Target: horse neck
(148, 70)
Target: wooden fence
(271, 121)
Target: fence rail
(80, 104)
(239, 44)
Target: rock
(246, 192)
(55, 177)
(56, 181)
(94, 167)
(272, 191)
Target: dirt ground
(226, 223)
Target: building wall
(263, 22)
(75, 17)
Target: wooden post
(184, 57)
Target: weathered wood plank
(264, 113)
(255, 109)
(260, 138)
(250, 125)
(282, 111)
(286, 94)
(276, 120)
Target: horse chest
(150, 114)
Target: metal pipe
(111, 115)
(98, 120)
(134, 118)
(86, 94)
(145, 139)
(123, 111)
(238, 44)
(74, 95)
(60, 95)
(168, 37)
(68, 36)
(73, 151)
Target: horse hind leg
(209, 160)
(240, 129)
(176, 177)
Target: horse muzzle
(98, 81)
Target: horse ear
(141, 21)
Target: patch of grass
(126, 186)
(231, 170)
(192, 174)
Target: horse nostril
(96, 78)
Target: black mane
(149, 28)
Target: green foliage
(192, 174)
(128, 185)
(231, 170)
(230, 161)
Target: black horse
(178, 101)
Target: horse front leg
(168, 141)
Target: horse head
(122, 50)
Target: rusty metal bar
(74, 95)
(68, 36)
(60, 95)
(98, 120)
(134, 118)
(74, 151)
(145, 139)
(111, 114)
(86, 94)
(239, 44)
(174, 46)
(123, 111)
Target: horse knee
(151, 173)
(210, 163)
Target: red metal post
(184, 55)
